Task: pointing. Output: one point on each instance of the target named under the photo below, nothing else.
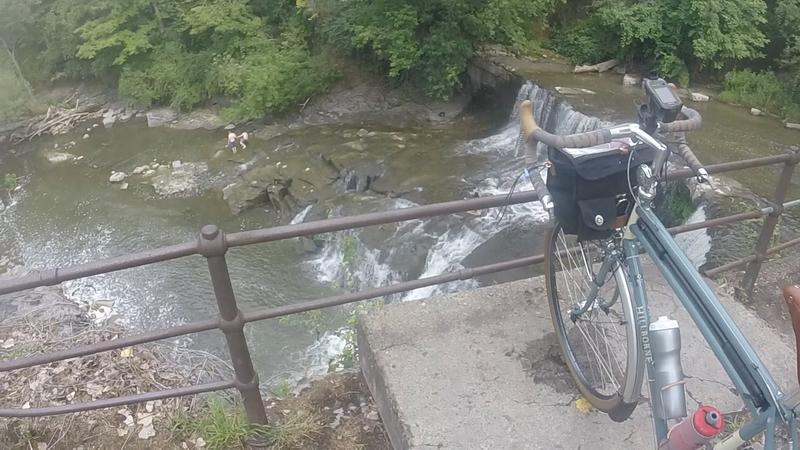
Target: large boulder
(254, 188)
(182, 181)
(276, 186)
(160, 117)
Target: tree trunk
(20, 75)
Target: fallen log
(599, 67)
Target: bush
(170, 75)
(585, 42)
(270, 79)
(672, 37)
(763, 90)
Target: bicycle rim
(595, 338)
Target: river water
(68, 212)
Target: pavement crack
(630, 436)
(727, 387)
(536, 403)
(689, 393)
(398, 344)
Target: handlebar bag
(590, 187)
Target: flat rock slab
(482, 370)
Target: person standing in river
(231, 142)
(244, 138)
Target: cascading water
(449, 241)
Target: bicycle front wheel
(596, 332)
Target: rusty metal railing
(213, 245)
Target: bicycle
(599, 192)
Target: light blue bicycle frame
(763, 398)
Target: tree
(17, 18)
(676, 37)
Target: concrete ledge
(482, 370)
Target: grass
(763, 90)
(223, 425)
(296, 430)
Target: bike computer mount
(662, 104)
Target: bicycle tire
(618, 398)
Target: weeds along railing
(213, 245)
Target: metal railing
(213, 245)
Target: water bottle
(696, 431)
(665, 344)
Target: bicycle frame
(762, 396)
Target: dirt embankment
(335, 412)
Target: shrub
(584, 42)
(673, 37)
(763, 90)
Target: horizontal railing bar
(711, 273)
(685, 228)
(376, 218)
(748, 259)
(118, 401)
(55, 276)
(678, 174)
(791, 204)
(784, 246)
(90, 349)
(206, 325)
(464, 274)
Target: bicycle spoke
(600, 328)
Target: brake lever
(544, 195)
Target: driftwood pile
(58, 120)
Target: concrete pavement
(482, 370)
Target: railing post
(212, 245)
(770, 222)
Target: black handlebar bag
(590, 186)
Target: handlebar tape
(532, 131)
(688, 155)
(691, 123)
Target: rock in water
(140, 169)
(117, 177)
(176, 164)
(362, 132)
(160, 116)
(123, 186)
(794, 126)
(572, 91)
(698, 97)
(86, 136)
(109, 118)
(631, 80)
(756, 112)
(59, 157)
(600, 67)
(181, 182)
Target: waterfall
(447, 241)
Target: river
(68, 212)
